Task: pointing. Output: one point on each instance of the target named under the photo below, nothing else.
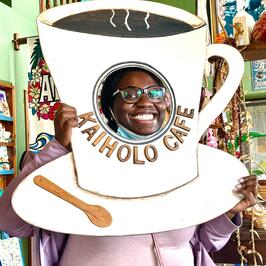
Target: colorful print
(43, 97)
(41, 140)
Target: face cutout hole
(134, 103)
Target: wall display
(258, 75)
(10, 253)
(7, 133)
(257, 110)
(255, 84)
(4, 109)
(227, 9)
(146, 158)
(43, 98)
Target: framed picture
(253, 80)
(227, 9)
(257, 110)
(258, 75)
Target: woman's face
(143, 117)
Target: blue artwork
(259, 75)
(229, 13)
(41, 140)
(253, 7)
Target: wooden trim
(14, 129)
(46, 4)
(254, 51)
(6, 84)
(10, 125)
(8, 144)
(19, 41)
(27, 124)
(213, 20)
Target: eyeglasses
(132, 94)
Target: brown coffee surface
(98, 23)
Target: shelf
(6, 84)
(6, 118)
(7, 172)
(254, 51)
(8, 144)
(8, 122)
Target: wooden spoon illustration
(97, 214)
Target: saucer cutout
(183, 207)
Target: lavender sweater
(53, 246)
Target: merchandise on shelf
(4, 109)
(5, 136)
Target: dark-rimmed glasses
(132, 94)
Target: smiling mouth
(143, 117)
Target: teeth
(144, 117)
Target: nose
(144, 101)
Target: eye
(132, 95)
(139, 92)
(131, 92)
(156, 93)
(124, 93)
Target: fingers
(66, 115)
(249, 183)
(65, 119)
(248, 187)
(249, 198)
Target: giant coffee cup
(85, 43)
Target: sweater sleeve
(216, 233)
(10, 222)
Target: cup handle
(225, 93)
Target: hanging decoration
(43, 98)
(231, 130)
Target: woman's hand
(65, 119)
(248, 187)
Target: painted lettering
(86, 118)
(166, 142)
(185, 113)
(109, 146)
(136, 156)
(125, 148)
(147, 154)
(91, 131)
(48, 90)
(181, 124)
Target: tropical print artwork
(43, 98)
(42, 94)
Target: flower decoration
(40, 105)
